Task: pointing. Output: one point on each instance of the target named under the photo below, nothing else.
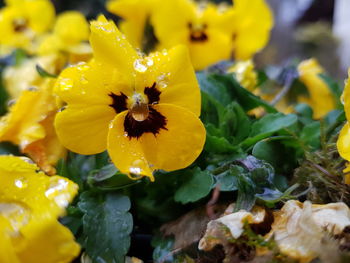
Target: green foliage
(43, 73)
(197, 187)
(248, 159)
(107, 225)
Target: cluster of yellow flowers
(211, 32)
(121, 100)
(144, 109)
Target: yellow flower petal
(41, 14)
(343, 143)
(135, 14)
(72, 27)
(218, 41)
(252, 23)
(175, 80)
(127, 154)
(29, 124)
(84, 130)
(91, 83)
(110, 46)
(177, 146)
(321, 99)
(30, 203)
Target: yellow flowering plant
(123, 139)
(133, 105)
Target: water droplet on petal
(149, 61)
(17, 214)
(139, 65)
(21, 182)
(58, 192)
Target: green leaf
(43, 73)
(334, 87)
(76, 167)
(235, 124)
(215, 144)
(197, 187)
(224, 88)
(214, 88)
(107, 226)
(109, 178)
(227, 180)
(246, 99)
(268, 125)
(274, 151)
(310, 135)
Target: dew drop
(140, 112)
(57, 192)
(149, 61)
(17, 214)
(21, 182)
(139, 65)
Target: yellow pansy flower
(213, 32)
(343, 143)
(144, 110)
(320, 98)
(29, 124)
(70, 35)
(134, 14)
(30, 204)
(201, 27)
(22, 20)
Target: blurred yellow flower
(144, 110)
(134, 14)
(29, 124)
(245, 74)
(343, 143)
(320, 97)
(22, 20)
(251, 26)
(213, 32)
(30, 204)
(70, 35)
(25, 75)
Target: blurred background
(303, 29)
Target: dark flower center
(19, 24)
(197, 33)
(141, 118)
